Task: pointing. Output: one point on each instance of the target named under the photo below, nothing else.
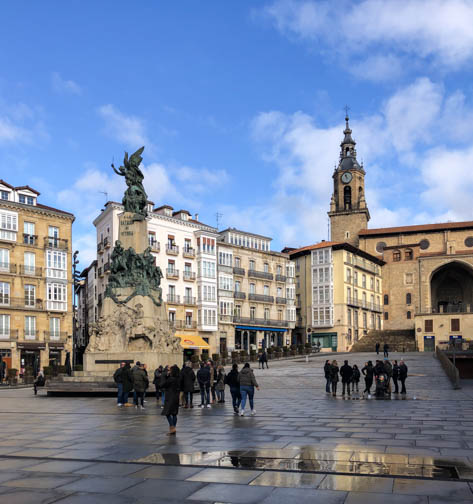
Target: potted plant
(253, 355)
(47, 370)
(235, 357)
(12, 376)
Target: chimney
(196, 217)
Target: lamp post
(75, 278)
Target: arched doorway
(451, 288)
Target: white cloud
(61, 85)
(20, 124)
(439, 29)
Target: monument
(133, 324)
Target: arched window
(386, 299)
(408, 298)
(396, 255)
(347, 198)
(408, 314)
(408, 255)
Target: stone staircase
(402, 340)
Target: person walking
(346, 372)
(386, 350)
(355, 378)
(328, 376)
(247, 388)
(220, 386)
(388, 369)
(118, 379)
(377, 348)
(213, 380)
(187, 384)
(264, 359)
(233, 382)
(395, 377)
(156, 380)
(2, 370)
(403, 376)
(39, 382)
(140, 384)
(203, 378)
(334, 378)
(127, 380)
(162, 380)
(171, 406)
(368, 373)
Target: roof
(417, 229)
(181, 211)
(322, 244)
(6, 184)
(27, 187)
(45, 207)
(234, 230)
(163, 206)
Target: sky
(240, 107)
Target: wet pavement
(302, 445)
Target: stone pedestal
(133, 233)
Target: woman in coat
(233, 381)
(171, 407)
(157, 378)
(127, 379)
(334, 377)
(247, 387)
(140, 384)
(368, 372)
(220, 387)
(187, 384)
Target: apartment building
(86, 293)
(35, 280)
(256, 293)
(338, 292)
(186, 251)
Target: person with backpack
(140, 384)
(203, 378)
(232, 380)
(386, 350)
(118, 379)
(220, 386)
(355, 379)
(187, 384)
(346, 372)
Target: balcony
(225, 293)
(9, 335)
(445, 309)
(223, 268)
(20, 303)
(188, 252)
(188, 300)
(239, 295)
(172, 273)
(281, 300)
(239, 271)
(106, 267)
(281, 278)
(55, 337)
(172, 249)
(173, 299)
(184, 324)
(260, 274)
(56, 305)
(107, 243)
(100, 272)
(260, 322)
(30, 270)
(353, 301)
(29, 239)
(366, 265)
(155, 246)
(7, 267)
(225, 319)
(30, 335)
(100, 247)
(56, 243)
(189, 276)
(262, 298)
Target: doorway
(429, 343)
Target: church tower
(348, 211)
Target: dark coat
(157, 378)
(117, 376)
(379, 369)
(171, 404)
(263, 357)
(140, 380)
(388, 368)
(395, 371)
(346, 372)
(327, 369)
(368, 371)
(127, 379)
(402, 372)
(356, 375)
(203, 377)
(220, 381)
(187, 379)
(247, 378)
(385, 347)
(334, 374)
(162, 378)
(232, 379)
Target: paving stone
(110, 469)
(365, 497)
(240, 477)
(166, 472)
(288, 479)
(166, 489)
(356, 483)
(36, 480)
(95, 498)
(304, 496)
(457, 490)
(23, 496)
(101, 484)
(232, 493)
(63, 466)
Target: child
(220, 387)
(355, 377)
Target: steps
(399, 340)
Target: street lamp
(75, 279)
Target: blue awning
(253, 328)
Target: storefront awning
(193, 341)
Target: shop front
(326, 341)
(193, 345)
(30, 358)
(256, 338)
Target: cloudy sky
(240, 107)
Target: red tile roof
(314, 247)
(417, 228)
(19, 188)
(45, 207)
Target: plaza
(302, 446)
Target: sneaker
(242, 412)
(209, 406)
(120, 405)
(136, 406)
(202, 406)
(235, 409)
(145, 401)
(142, 407)
(253, 412)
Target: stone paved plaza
(302, 446)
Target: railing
(260, 322)
(7, 267)
(173, 298)
(260, 274)
(281, 278)
(155, 246)
(30, 335)
(188, 252)
(172, 249)
(106, 267)
(56, 305)
(189, 275)
(225, 293)
(451, 370)
(53, 336)
(12, 334)
(184, 324)
(353, 301)
(224, 268)
(261, 297)
(225, 318)
(29, 239)
(281, 300)
(21, 303)
(106, 242)
(188, 300)
(30, 270)
(239, 295)
(56, 243)
(172, 273)
(238, 271)
(365, 265)
(450, 308)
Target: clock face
(346, 177)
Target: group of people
(175, 387)
(381, 373)
(385, 349)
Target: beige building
(256, 293)
(35, 280)
(338, 292)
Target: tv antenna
(218, 216)
(106, 195)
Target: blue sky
(240, 107)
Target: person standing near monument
(140, 383)
(203, 377)
(118, 379)
(127, 378)
(171, 407)
(403, 376)
(386, 350)
(377, 348)
(187, 384)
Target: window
(4, 326)
(225, 283)
(171, 242)
(187, 269)
(396, 255)
(455, 324)
(4, 260)
(187, 245)
(278, 270)
(363, 299)
(29, 233)
(151, 238)
(372, 283)
(408, 255)
(266, 314)
(349, 316)
(349, 294)
(355, 277)
(56, 264)
(377, 285)
(279, 314)
(237, 286)
(30, 295)
(188, 319)
(238, 311)
(4, 293)
(26, 200)
(54, 327)
(29, 262)
(252, 265)
(386, 315)
(379, 322)
(386, 299)
(224, 258)
(252, 288)
(56, 296)
(279, 292)
(237, 262)
(266, 290)
(355, 318)
(8, 225)
(30, 327)
(428, 325)
(363, 281)
(252, 312)
(4, 195)
(266, 267)
(171, 266)
(408, 315)
(365, 321)
(355, 295)
(408, 298)
(409, 278)
(53, 234)
(172, 317)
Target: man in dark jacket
(346, 373)
(118, 379)
(377, 348)
(140, 384)
(263, 359)
(386, 350)
(203, 377)
(187, 384)
(127, 380)
(379, 368)
(388, 369)
(395, 377)
(328, 377)
(403, 376)
(233, 381)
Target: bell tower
(348, 211)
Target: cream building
(256, 293)
(35, 280)
(186, 251)
(338, 291)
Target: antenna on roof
(218, 216)
(106, 195)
